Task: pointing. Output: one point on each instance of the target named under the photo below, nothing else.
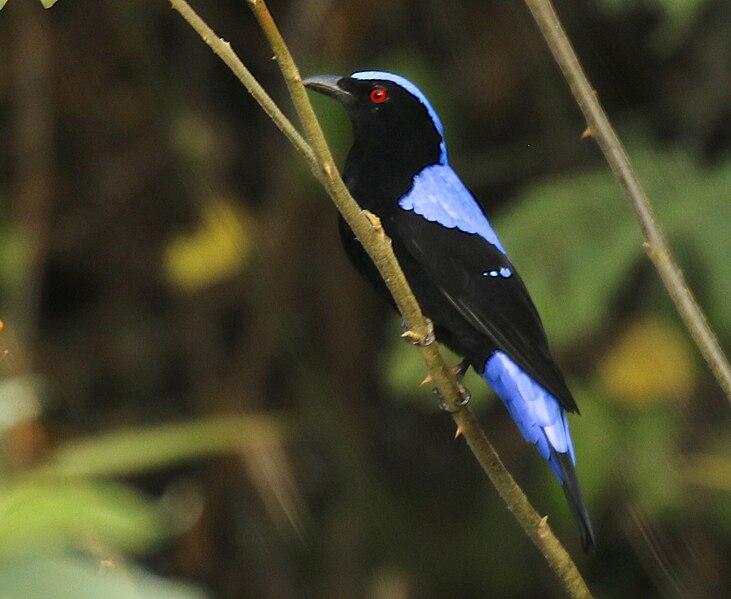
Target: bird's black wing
(465, 270)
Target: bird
(458, 270)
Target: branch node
(543, 529)
(374, 220)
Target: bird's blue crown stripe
(414, 91)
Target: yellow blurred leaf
(218, 249)
(649, 363)
(713, 471)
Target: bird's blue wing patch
(439, 196)
(537, 413)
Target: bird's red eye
(379, 95)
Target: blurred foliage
(68, 504)
(40, 515)
(44, 3)
(650, 361)
(219, 248)
(677, 18)
(136, 450)
(194, 380)
(597, 256)
(76, 577)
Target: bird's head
(390, 115)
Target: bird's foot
(417, 338)
(464, 399)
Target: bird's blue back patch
(414, 91)
(439, 196)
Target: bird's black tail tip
(588, 542)
(576, 502)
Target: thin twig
(655, 243)
(222, 49)
(366, 227)
(369, 231)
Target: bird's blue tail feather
(543, 422)
(537, 413)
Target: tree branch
(222, 49)
(655, 244)
(369, 231)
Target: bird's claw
(464, 399)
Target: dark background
(196, 385)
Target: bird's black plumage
(456, 266)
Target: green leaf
(48, 3)
(136, 450)
(575, 241)
(38, 514)
(75, 577)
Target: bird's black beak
(328, 85)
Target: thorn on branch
(586, 133)
(420, 339)
(543, 529)
(417, 339)
(374, 220)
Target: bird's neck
(377, 179)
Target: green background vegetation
(199, 398)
